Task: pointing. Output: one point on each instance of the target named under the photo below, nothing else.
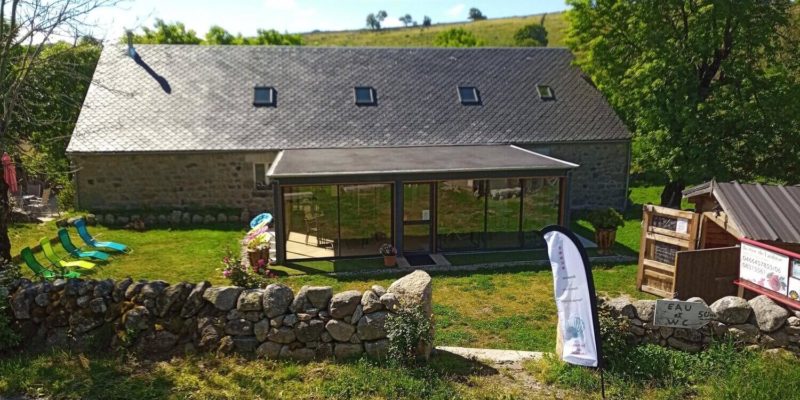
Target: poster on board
(765, 268)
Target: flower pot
(605, 239)
(389, 261)
(259, 254)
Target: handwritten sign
(681, 314)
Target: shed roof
(760, 212)
(410, 160)
(200, 98)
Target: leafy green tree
(374, 20)
(167, 33)
(218, 35)
(407, 20)
(426, 21)
(275, 38)
(457, 37)
(711, 89)
(27, 29)
(475, 14)
(532, 35)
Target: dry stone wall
(757, 323)
(159, 320)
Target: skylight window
(469, 95)
(366, 96)
(545, 92)
(265, 96)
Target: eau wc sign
(681, 314)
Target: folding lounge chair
(66, 243)
(80, 225)
(51, 256)
(39, 269)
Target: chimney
(131, 49)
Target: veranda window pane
(461, 214)
(502, 214)
(540, 208)
(311, 225)
(365, 218)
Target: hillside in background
(497, 32)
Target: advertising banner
(575, 297)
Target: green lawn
(497, 32)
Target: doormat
(417, 260)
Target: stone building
(428, 149)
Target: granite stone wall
(601, 179)
(757, 323)
(159, 320)
(187, 181)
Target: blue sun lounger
(80, 225)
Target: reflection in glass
(311, 225)
(461, 214)
(540, 208)
(502, 213)
(365, 218)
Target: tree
(217, 35)
(407, 20)
(457, 37)
(167, 33)
(426, 21)
(27, 29)
(476, 14)
(374, 20)
(273, 37)
(710, 89)
(532, 35)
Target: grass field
(497, 32)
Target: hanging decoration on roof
(10, 173)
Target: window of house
(260, 175)
(468, 95)
(545, 92)
(264, 96)
(366, 96)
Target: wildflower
(226, 273)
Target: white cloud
(456, 10)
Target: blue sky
(246, 16)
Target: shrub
(407, 329)
(256, 276)
(605, 219)
(531, 35)
(66, 196)
(457, 37)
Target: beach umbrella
(10, 173)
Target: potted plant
(258, 248)
(605, 223)
(389, 254)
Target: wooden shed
(696, 253)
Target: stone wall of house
(187, 181)
(757, 323)
(159, 320)
(601, 179)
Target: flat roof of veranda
(304, 163)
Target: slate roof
(760, 212)
(200, 98)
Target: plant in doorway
(389, 254)
(605, 223)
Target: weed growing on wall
(8, 338)
(407, 329)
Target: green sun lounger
(66, 243)
(41, 270)
(80, 225)
(51, 256)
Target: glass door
(418, 217)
